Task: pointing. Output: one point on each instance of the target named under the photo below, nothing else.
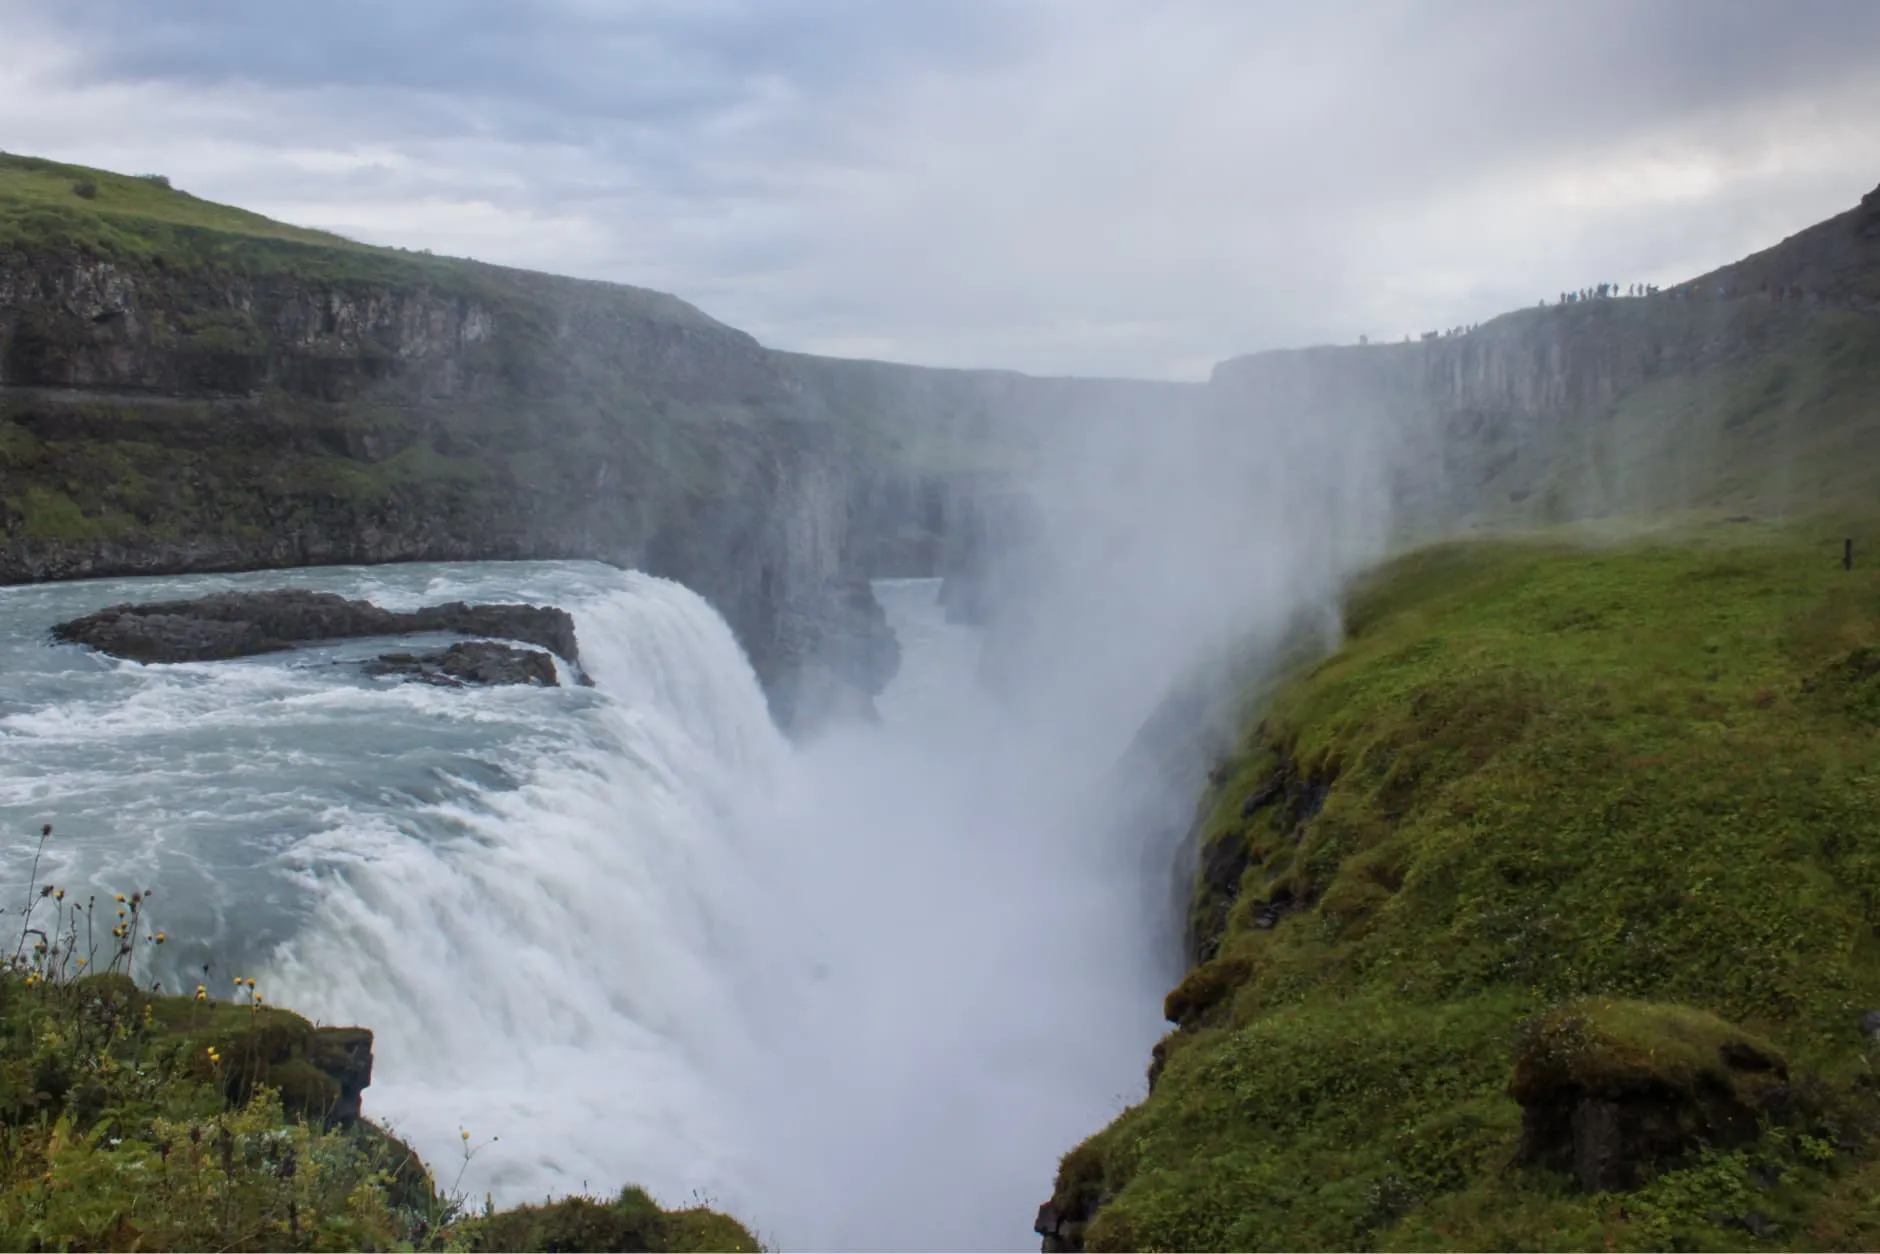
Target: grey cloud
(633, 60)
(1055, 185)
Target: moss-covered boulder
(1615, 1090)
(632, 1221)
(320, 1072)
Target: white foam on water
(861, 992)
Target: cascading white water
(861, 992)
(556, 973)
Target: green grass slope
(41, 197)
(133, 1121)
(53, 209)
(1622, 798)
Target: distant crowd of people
(1684, 291)
(1606, 291)
(1697, 291)
(1450, 334)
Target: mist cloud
(1093, 187)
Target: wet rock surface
(473, 662)
(243, 624)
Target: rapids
(860, 992)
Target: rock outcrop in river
(243, 624)
(480, 662)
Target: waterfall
(555, 972)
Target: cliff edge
(188, 387)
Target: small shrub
(161, 180)
(85, 189)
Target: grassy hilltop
(51, 208)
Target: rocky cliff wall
(1618, 406)
(156, 419)
(1732, 389)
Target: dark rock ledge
(242, 624)
(472, 662)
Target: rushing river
(862, 993)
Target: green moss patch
(1608, 1048)
(631, 1221)
(130, 1120)
(1586, 822)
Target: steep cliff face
(951, 462)
(1741, 389)
(1750, 386)
(1617, 406)
(1614, 407)
(204, 400)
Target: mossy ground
(130, 1120)
(1534, 773)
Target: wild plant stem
(32, 886)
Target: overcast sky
(1087, 186)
